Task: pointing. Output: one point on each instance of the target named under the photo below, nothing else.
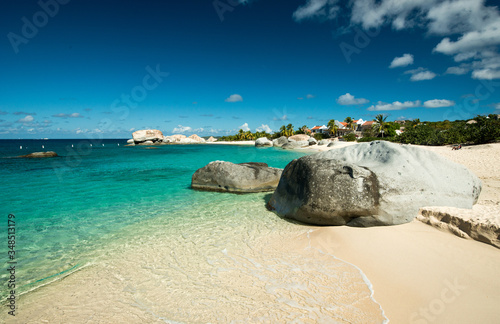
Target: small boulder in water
(40, 155)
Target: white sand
(423, 275)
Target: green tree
(349, 122)
(332, 127)
(289, 130)
(380, 123)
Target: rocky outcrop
(331, 144)
(324, 142)
(131, 141)
(312, 141)
(299, 137)
(263, 141)
(481, 223)
(377, 183)
(294, 145)
(211, 139)
(36, 155)
(239, 178)
(152, 135)
(280, 141)
(197, 139)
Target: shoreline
(421, 274)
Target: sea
(107, 232)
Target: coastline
(416, 273)
(419, 273)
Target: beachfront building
(320, 130)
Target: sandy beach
(415, 273)
(419, 273)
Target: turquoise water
(69, 208)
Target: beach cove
(211, 257)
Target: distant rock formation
(263, 141)
(152, 135)
(377, 183)
(295, 145)
(37, 155)
(299, 137)
(239, 178)
(280, 141)
(197, 138)
(211, 139)
(481, 223)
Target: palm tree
(289, 130)
(349, 122)
(380, 123)
(332, 127)
(283, 130)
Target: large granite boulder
(377, 183)
(211, 139)
(324, 142)
(36, 155)
(263, 141)
(144, 135)
(299, 137)
(280, 141)
(294, 145)
(240, 178)
(197, 138)
(312, 141)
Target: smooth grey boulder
(324, 142)
(368, 184)
(239, 178)
(36, 155)
(130, 141)
(312, 141)
(331, 144)
(294, 145)
(280, 141)
(263, 141)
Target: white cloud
(264, 128)
(316, 9)
(439, 103)
(27, 119)
(488, 74)
(405, 60)
(421, 74)
(349, 100)
(457, 70)
(396, 105)
(181, 129)
(244, 127)
(310, 96)
(234, 98)
(73, 115)
(470, 28)
(497, 108)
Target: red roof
(316, 127)
(368, 123)
(345, 124)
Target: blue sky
(75, 69)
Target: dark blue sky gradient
(91, 52)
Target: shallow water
(134, 243)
